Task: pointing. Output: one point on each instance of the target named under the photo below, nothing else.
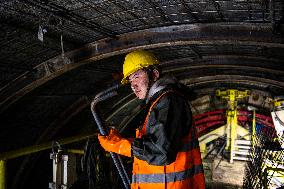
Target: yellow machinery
(232, 95)
(265, 168)
(232, 130)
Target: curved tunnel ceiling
(207, 45)
(203, 56)
(219, 43)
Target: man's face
(139, 83)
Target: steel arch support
(191, 34)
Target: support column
(232, 95)
(2, 174)
(233, 134)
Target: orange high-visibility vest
(186, 172)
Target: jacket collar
(160, 85)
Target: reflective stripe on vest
(167, 177)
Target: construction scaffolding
(265, 170)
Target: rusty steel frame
(183, 65)
(233, 79)
(191, 34)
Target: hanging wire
(65, 59)
(62, 47)
(41, 32)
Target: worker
(166, 149)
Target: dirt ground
(222, 174)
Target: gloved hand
(115, 143)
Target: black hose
(108, 93)
(105, 92)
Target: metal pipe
(108, 93)
(2, 174)
(41, 147)
(65, 172)
(75, 151)
(253, 132)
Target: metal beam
(44, 146)
(249, 69)
(83, 102)
(192, 34)
(258, 62)
(230, 79)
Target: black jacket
(170, 120)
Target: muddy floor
(222, 174)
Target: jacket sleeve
(169, 121)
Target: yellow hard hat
(137, 60)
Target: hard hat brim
(124, 80)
